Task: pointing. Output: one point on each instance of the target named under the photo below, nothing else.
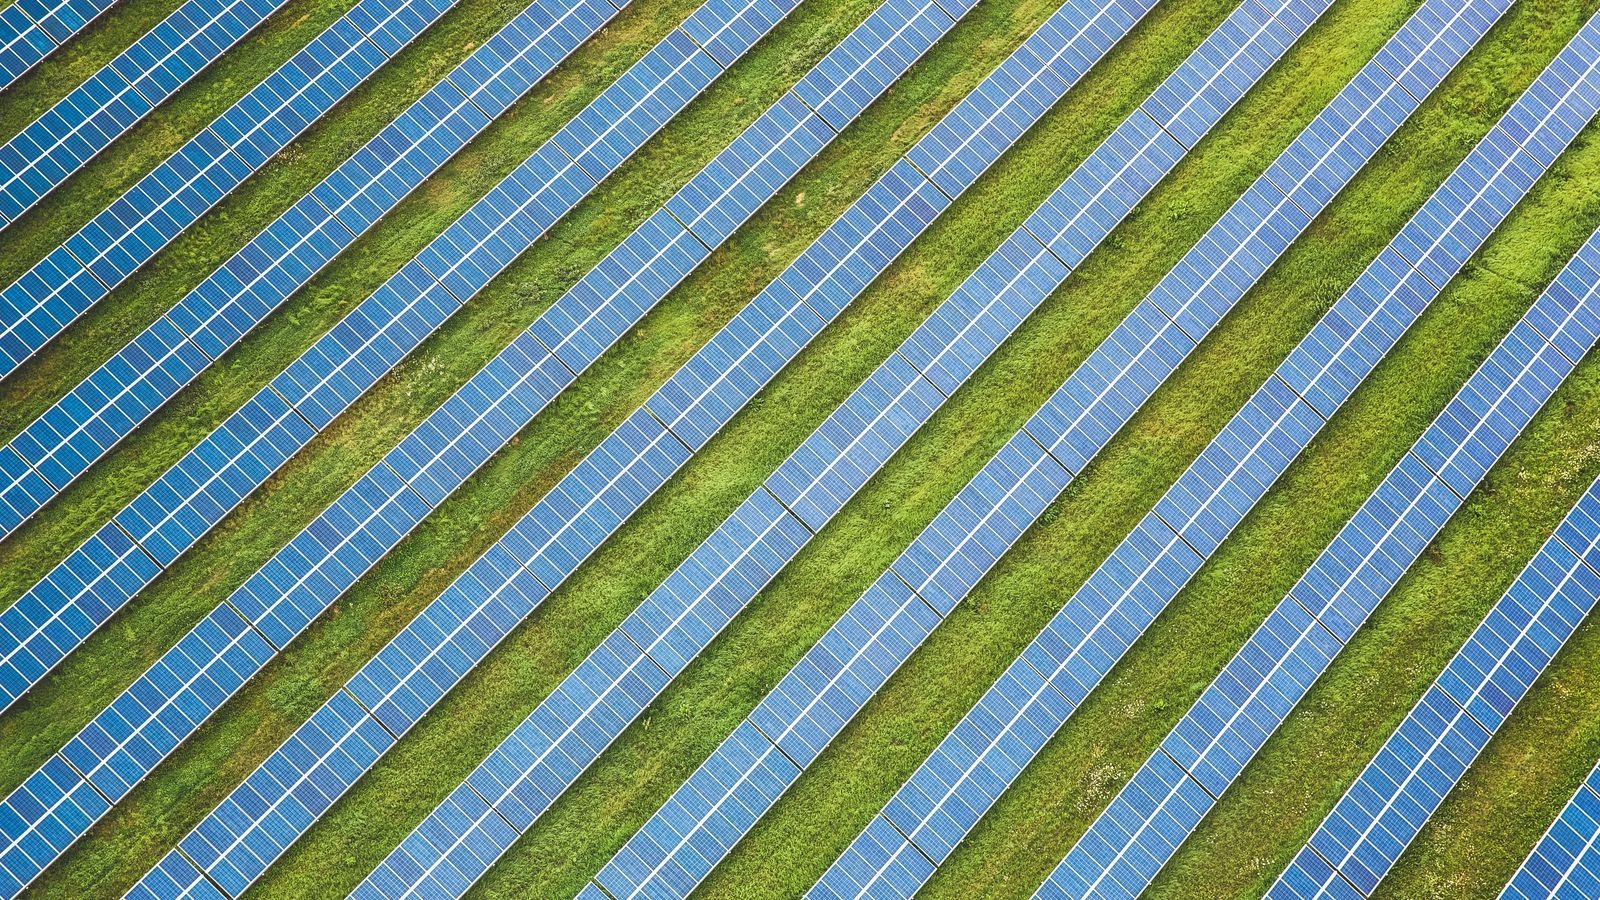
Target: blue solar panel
(277, 262)
(455, 632)
(1417, 766)
(84, 122)
(1565, 864)
(1013, 97)
(729, 28)
(41, 817)
(1242, 48)
(22, 43)
(288, 791)
(879, 858)
(675, 622)
(870, 58)
(175, 878)
(1255, 692)
(713, 809)
(947, 795)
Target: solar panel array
(814, 701)
(172, 352)
(1364, 835)
(171, 700)
(1127, 845)
(969, 770)
(506, 394)
(121, 93)
(30, 30)
(149, 215)
(1565, 864)
(398, 685)
(213, 478)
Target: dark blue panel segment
(614, 295)
(168, 702)
(703, 594)
(597, 497)
(1568, 854)
(726, 29)
(568, 730)
(78, 595)
(1566, 313)
(702, 820)
(1215, 76)
(880, 862)
(37, 306)
(635, 106)
(41, 818)
(1127, 844)
(870, 58)
(285, 794)
(970, 534)
(453, 634)
(455, 844)
(175, 878)
(735, 364)
(724, 194)
(829, 685)
(526, 49)
(1013, 97)
(22, 490)
(985, 310)
(855, 441)
(329, 555)
(1106, 390)
(861, 243)
(1120, 172)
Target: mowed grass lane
(28, 553)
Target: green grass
(1078, 773)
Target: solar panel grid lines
(31, 30)
(1565, 863)
(1127, 845)
(149, 215)
(81, 427)
(1373, 822)
(428, 678)
(374, 336)
(1028, 456)
(982, 755)
(121, 93)
(792, 532)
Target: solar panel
(415, 301)
(81, 427)
(528, 771)
(1255, 692)
(1565, 864)
(187, 184)
(1408, 778)
(825, 689)
(121, 93)
(30, 30)
(416, 669)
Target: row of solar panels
(148, 216)
(813, 702)
(213, 478)
(967, 772)
(30, 30)
(1197, 761)
(1406, 781)
(143, 725)
(210, 320)
(432, 632)
(121, 93)
(1565, 864)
